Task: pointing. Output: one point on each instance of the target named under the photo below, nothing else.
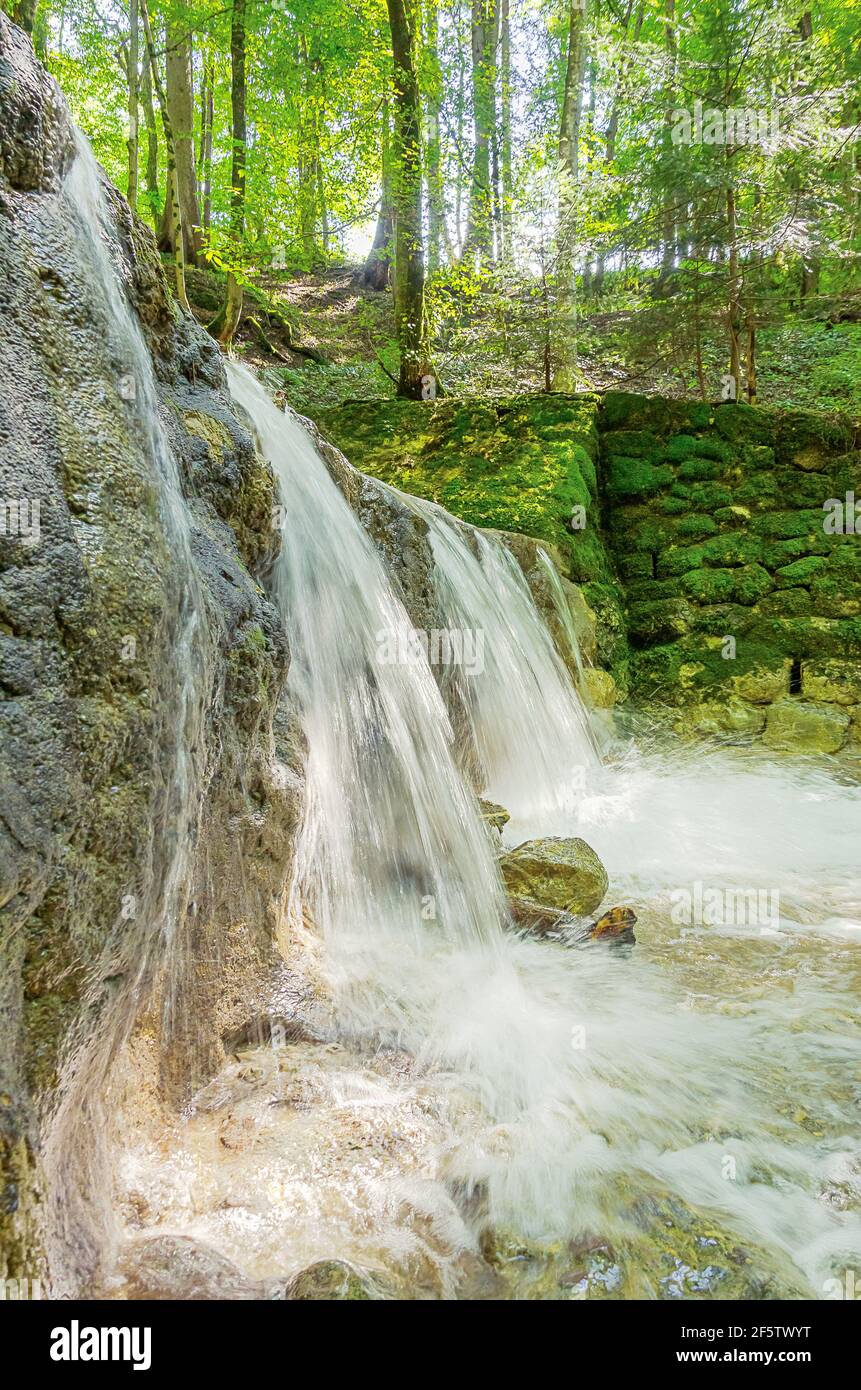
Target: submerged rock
(333, 1281)
(177, 1267)
(555, 874)
(541, 921)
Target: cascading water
(562, 1079)
(392, 856)
(563, 611)
(145, 938)
(532, 734)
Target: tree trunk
(226, 321)
(379, 262)
(416, 378)
(751, 359)
(507, 163)
(152, 192)
(668, 225)
(433, 161)
(132, 193)
(176, 211)
(207, 113)
(485, 37)
(460, 106)
(734, 297)
(569, 140)
(180, 101)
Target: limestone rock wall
(89, 681)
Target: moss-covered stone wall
(697, 532)
(527, 464)
(743, 596)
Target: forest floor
(327, 338)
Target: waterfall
(563, 611)
(392, 855)
(531, 731)
(145, 937)
(561, 1075)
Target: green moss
(808, 637)
(634, 477)
(696, 526)
(685, 447)
(744, 424)
(630, 444)
(743, 585)
(706, 497)
(805, 438)
(713, 499)
(777, 554)
(723, 619)
(672, 506)
(720, 551)
(659, 620)
(785, 525)
(696, 471)
(800, 572)
(732, 517)
(787, 603)
(833, 598)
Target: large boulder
(554, 875)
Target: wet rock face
(35, 144)
(90, 591)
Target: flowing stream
(677, 1120)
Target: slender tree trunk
(734, 297)
(751, 359)
(416, 378)
(180, 101)
(179, 256)
(226, 321)
(433, 161)
(132, 194)
(505, 131)
(460, 106)
(379, 262)
(485, 33)
(569, 139)
(207, 113)
(380, 257)
(668, 225)
(307, 133)
(151, 172)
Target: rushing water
(521, 704)
(144, 939)
(698, 1095)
